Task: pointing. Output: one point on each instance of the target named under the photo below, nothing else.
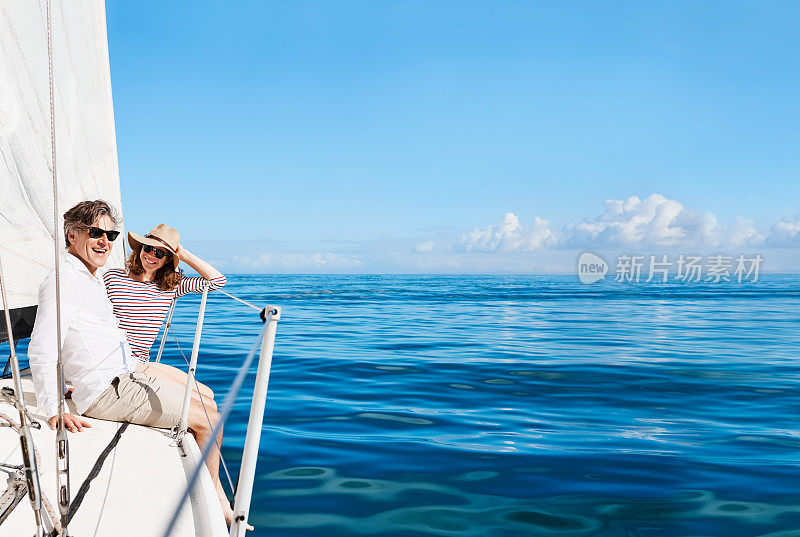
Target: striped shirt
(141, 307)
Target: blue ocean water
(515, 405)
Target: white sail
(86, 153)
(86, 162)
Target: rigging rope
(167, 330)
(62, 442)
(239, 300)
(208, 418)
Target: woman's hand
(206, 271)
(182, 253)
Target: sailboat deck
(134, 494)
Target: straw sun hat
(162, 236)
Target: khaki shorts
(139, 399)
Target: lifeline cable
(167, 327)
(227, 406)
(239, 300)
(208, 418)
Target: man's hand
(73, 423)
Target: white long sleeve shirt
(93, 348)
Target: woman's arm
(203, 268)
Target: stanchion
(244, 490)
(183, 424)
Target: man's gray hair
(85, 213)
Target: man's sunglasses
(96, 233)
(158, 252)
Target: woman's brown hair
(166, 278)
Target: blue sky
(391, 136)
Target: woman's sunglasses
(158, 252)
(96, 233)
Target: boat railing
(187, 396)
(263, 345)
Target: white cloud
(654, 221)
(524, 243)
(508, 236)
(631, 223)
(658, 221)
(743, 233)
(298, 261)
(424, 247)
(785, 233)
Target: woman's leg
(173, 374)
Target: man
(95, 354)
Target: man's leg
(156, 402)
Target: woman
(142, 293)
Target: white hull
(135, 493)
